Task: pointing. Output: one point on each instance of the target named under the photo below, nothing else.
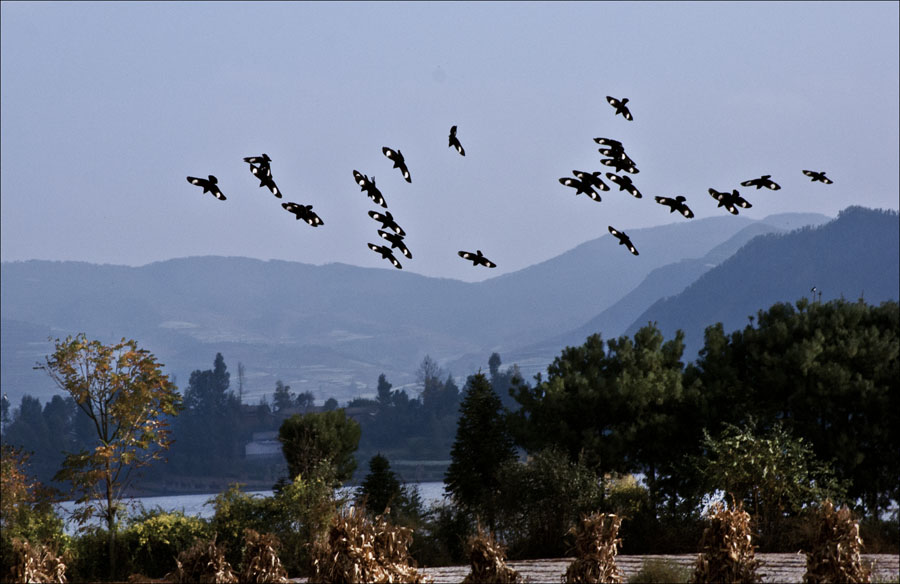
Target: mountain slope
(855, 256)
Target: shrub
(660, 571)
(442, 536)
(155, 538)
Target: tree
(829, 371)
(771, 472)
(124, 392)
(384, 392)
(307, 440)
(482, 446)
(330, 404)
(619, 410)
(305, 400)
(284, 397)
(381, 487)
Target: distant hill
(328, 329)
(855, 256)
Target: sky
(107, 108)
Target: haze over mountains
(332, 329)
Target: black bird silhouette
(610, 142)
(387, 222)
(580, 186)
(454, 141)
(476, 258)
(396, 242)
(591, 178)
(676, 204)
(818, 176)
(399, 162)
(209, 185)
(620, 106)
(304, 212)
(386, 253)
(261, 161)
(265, 180)
(625, 184)
(623, 240)
(731, 201)
(621, 163)
(763, 181)
(368, 185)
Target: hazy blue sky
(107, 107)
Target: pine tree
(482, 445)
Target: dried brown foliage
(488, 559)
(357, 550)
(596, 546)
(35, 563)
(260, 561)
(726, 551)
(203, 563)
(834, 556)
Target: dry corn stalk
(357, 550)
(835, 553)
(204, 563)
(596, 546)
(261, 564)
(727, 553)
(35, 563)
(488, 559)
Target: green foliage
(830, 371)
(308, 440)
(620, 411)
(482, 446)
(441, 538)
(541, 499)
(661, 571)
(298, 512)
(154, 539)
(773, 473)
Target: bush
(659, 571)
(89, 557)
(442, 535)
(155, 538)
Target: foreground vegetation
(798, 409)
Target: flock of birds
(588, 183)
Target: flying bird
(580, 186)
(609, 142)
(623, 240)
(476, 258)
(399, 162)
(385, 252)
(591, 178)
(454, 141)
(368, 185)
(387, 222)
(625, 184)
(621, 163)
(261, 161)
(304, 212)
(676, 204)
(731, 201)
(265, 180)
(620, 106)
(396, 242)
(818, 176)
(763, 181)
(209, 185)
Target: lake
(430, 492)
